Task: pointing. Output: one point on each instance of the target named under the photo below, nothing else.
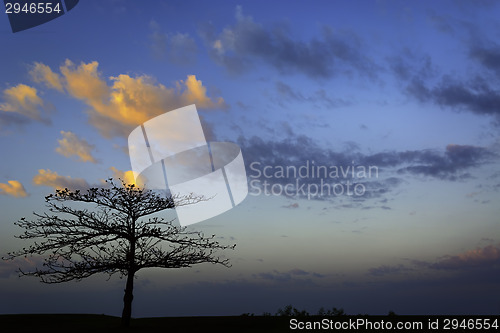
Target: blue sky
(411, 88)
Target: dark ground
(89, 323)
(68, 323)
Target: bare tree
(113, 237)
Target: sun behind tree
(114, 237)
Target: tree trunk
(127, 299)
(129, 287)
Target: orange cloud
(71, 145)
(52, 179)
(485, 256)
(128, 101)
(13, 188)
(43, 74)
(133, 101)
(84, 82)
(196, 93)
(9, 268)
(24, 100)
(127, 176)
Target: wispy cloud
(388, 270)
(478, 93)
(293, 275)
(482, 258)
(487, 256)
(241, 46)
(22, 104)
(178, 48)
(487, 56)
(451, 165)
(72, 145)
(282, 159)
(41, 73)
(288, 95)
(13, 188)
(52, 179)
(9, 268)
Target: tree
(112, 238)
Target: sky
(370, 133)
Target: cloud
(292, 206)
(41, 73)
(22, 104)
(22, 99)
(441, 23)
(71, 145)
(478, 94)
(451, 165)
(481, 92)
(410, 64)
(488, 57)
(298, 160)
(298, 271)
(13, 188)
(84, 82)
(52, 179)
(275, 276)
(320, 97)
(128, 101)
(388, 270)
(484, 257)
(177, 48)
(239, 46)
(289, 276)
(10, 267)
(127, 176)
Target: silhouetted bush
(290, 311)
(333, 312)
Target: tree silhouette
(113, 238)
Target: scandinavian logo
(170, 152)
